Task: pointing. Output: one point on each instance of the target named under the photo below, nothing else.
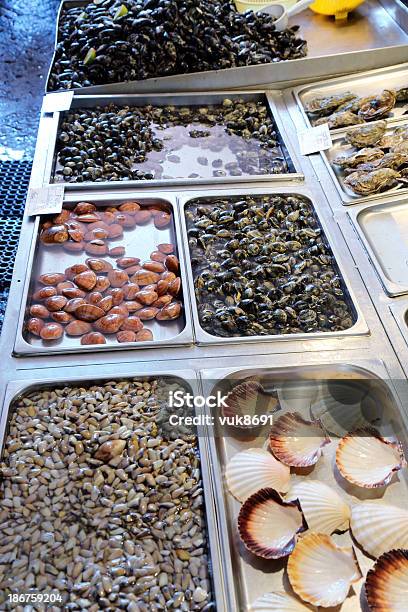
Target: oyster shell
(375, 107)
(296, 441)
(324, 105)
(366, 135)
(364, 155)
(340, 119)
(268, 526)
(278, 601)
(386, 585)
(393, 160)
(402, 94)
(401, 147)
(249, 398)
(395, 137)
(254, 469)
(364, 183)
(321, 572)
(379, 527)
(367, 460)
(323, 508)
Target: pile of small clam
(262, 266)
(93, 299)
(113, 142)
(108, 41)
(98, 507)
(290, 513)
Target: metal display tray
(383, 230)
(399, 310)
(269, 98)
(375, 34)
(187, 378)
(204, 338)
(340, 147)
(363, 84)
(249, 577)
(142, 238)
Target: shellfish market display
(371, 159)
(120, 143)
(108, 42)
(262, 266)
(104, 275)
(317, 553)
(98, 506)
(347, 108)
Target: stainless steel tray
(188, 379)
(374, 35)
(340, 147)
(362, 84)
(249, 577)
(383, 229)
(143, 240)
(204, 338)
(270, 99)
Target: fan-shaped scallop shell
(336, 417)
(249, 398)
(268, 526)
(379, 527)
(367, 460)
(254, 469)
(323, 508)
(386, 584)
(296, 441)
(321, 572)
(278, 601)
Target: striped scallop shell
(323, 508)
(249, 398)
(367, 460)
(386, 584)
(379, 527)
(278, 601)
(321, 572)
(268, 526)
(254, 469)
(296, 441)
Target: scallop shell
(386, 584)
(367, 460)
(278, 601)
(249, 398)
(379, 527)
(336, 417)
(321, 572)
(254, 469)
(323, 508)
(268, 526)
(296, 441)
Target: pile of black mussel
(108, 41)
(262, 266)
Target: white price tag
(44, 200)
(314, 139)
(59, 101)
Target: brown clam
(93, 338)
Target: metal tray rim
(359, 328)
(185, 337)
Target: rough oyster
(361, 157)
(269, 526)
(351, 105)
(296, 441)
(368, 460)
(278, 601)
(365, 183)
(366, 135)
(386, 584)
(379, 527)
(324, 510)
(393, 160)
(395, 137)
(254, 469)
(402, 94)
(321, 572)
(375, 107)
(340, 119)
(401, 147)
(324, 105)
